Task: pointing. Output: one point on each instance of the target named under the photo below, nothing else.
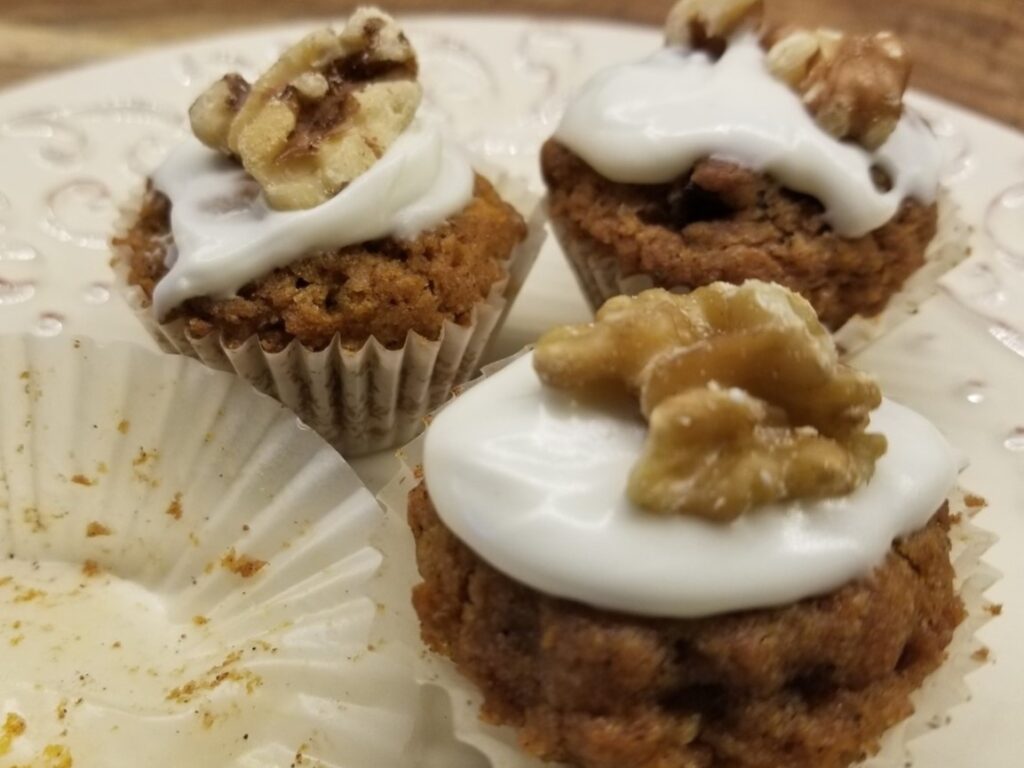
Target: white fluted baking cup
(941, 692)
(600, 277)
(186, 573)
(372, 398)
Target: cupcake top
(685, 456)
(328, 148)
(820, 111)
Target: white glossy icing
(226, 235)
(649, 122)
(534, 481)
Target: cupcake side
(321, 236)
(598, 659)
(780, 155)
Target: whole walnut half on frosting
(321, 115)
(852, 84)
(746, 399)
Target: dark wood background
(968, 51)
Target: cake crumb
(34, 519)
(974, 501)
(144, 456)
(242, 565)
(80, 479)
(200, 620)
(174, 508)
(982, 654)
(123, 426)
(994, 609)
(13, 727)
(94, 529)
(300, 758)
(55, 756)
(28, 595)
(90, 568)
(214, 677)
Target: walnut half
(747, 401)
(320, 116)
(852, 84)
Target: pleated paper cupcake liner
(372, 398)
(600, 277)
(187, 574)
(497, 747)
(947, 687)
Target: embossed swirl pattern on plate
(1004, 222)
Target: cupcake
(687, 536)
(741, 153)
(322, 237)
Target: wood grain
(968, 51)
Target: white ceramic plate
(72, 147)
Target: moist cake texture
(382, 289)
(813, 684)
(721, 222)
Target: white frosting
(650, 122)
(226, 235)
(534, 481)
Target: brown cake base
(381, 289)
(723, 222)
(809, 685)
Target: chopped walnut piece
(321, 116)
(707, 24)
(852, 84)
(747, 401)
(213, 112)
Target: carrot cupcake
(322, 237)
(689, 537)
(737, 153)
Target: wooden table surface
(968, 51)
